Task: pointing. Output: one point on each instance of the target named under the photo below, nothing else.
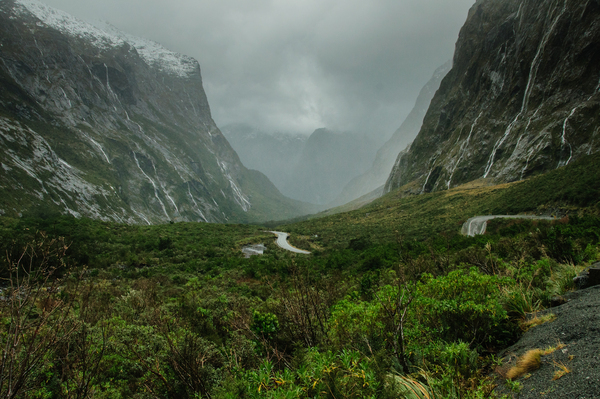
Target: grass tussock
(529, 362)
(413, 389)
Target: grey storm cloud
(297, 65)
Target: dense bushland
(176, 311)
(392, 302)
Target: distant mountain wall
(522, 97)
(328, 162)
(97, 123)
(276, 155)
(312, 168)
(386, 157)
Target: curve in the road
(477, 225)
(283, 243)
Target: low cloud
(294, 66)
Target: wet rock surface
(589, 277)
(521, 99)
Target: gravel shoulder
(577, 326)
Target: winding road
(477, 225)
(283, 243)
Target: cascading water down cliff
(522, 97)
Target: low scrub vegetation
(94, 309)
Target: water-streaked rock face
(522, 97)
(97, 123)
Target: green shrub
(345, 374)
(264, 324)
(354, 323)
(461, 306)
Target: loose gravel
(577, 327)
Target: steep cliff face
(522, 96)
(97, 123)
(377, 175)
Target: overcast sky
(298, 65)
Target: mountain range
(313, 168)
(97, 123)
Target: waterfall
(463, 149)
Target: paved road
(283, 243)
(478, 224)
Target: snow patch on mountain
(105, 37)
(159, 57)
(68, 24)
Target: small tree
(34, 313)
(395, 302)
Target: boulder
(589, 277)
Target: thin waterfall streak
(110, 90)
(528, 89)
(563, 139)
(589, 151)
(195, 203)
(192, 103)
(536, 60)
(164, 188)
(141, 215)
(529, 155)
(463, 149)
(526, 130)
(97, 145)
(67, 98)
(429, 174)
(427, 180)
(153, 185)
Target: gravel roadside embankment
(577, 327)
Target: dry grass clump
(551, 349)
(562, 370)
(530, 361)
(536, 321)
